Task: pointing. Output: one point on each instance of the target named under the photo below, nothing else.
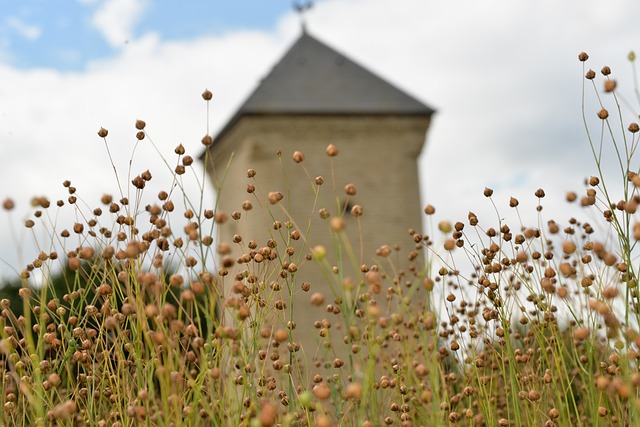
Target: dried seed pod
(568, 247)
(207, 95)
(322, 391)
(274, 197)
(268, 414)
(319, 252)
(610, 292)
(74, 264)
(207, 140)
(373, 279)
(445, 226)
(168, 206)
(609, 85)
(138, 182)
(281, 335)
(350, 189)
(353, 391)
(298, 156)
(64, 410)
(603, 114)
(473, 219)
(356, 210)
(337, 224)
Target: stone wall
(377, 154)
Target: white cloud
(116, 19)
(30, 32)
(503, 76)
(48, 124)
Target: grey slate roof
(312, 78)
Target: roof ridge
(312, 78)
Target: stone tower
(314, 97)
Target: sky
(503, 76)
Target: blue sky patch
(62, 34)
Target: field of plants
(137, 314)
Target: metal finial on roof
(301, 7)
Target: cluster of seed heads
(159, 322)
